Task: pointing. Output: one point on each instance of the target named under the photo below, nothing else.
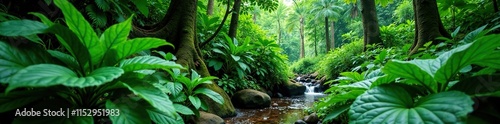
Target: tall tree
(298, 15)
(278, 15)
(233, 26)
(210, 7)
(428, 25)
(371, 31)
(326, 9)
(495, 5)
(179, 27)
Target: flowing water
(285, 110)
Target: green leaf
(415, 71)
(160, 117)
(332, 99)
(43, 18)
(353, 76)
(460, 57)
(179, 98)
(147, 62)
(13, 59)
(69, 60)
(135, 45)
(44, 75)
(71, 42)
(195, 101)
(218, 51)
(183, 109)
(235, 58)
(142, 5)
(454, 33)
(112, 36)
(364, 84)
(336, 112)
(77, 23)
(210, 93)
(490, 60)
(19, 99)
(478, 84)
(392, 104)
(470, 37)
(152, 95)
(128, 114)
(21, 28)
(175, 87)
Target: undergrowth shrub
(394, 35)
(340, 60)
(306, 65)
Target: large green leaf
(460, 57)
(152, 95)
(211, 94)
(18, 99)
(83, 30)
(112, 36)
(147, 62)
(491, 60)
(142, 6)
(13, 59)
(68, 60)
(195, 101)
(340, 98)
(419, 71)
(135, 45)
(174, 87)
(44, 75)
(392, 104)
(183, 109)
(128, 114)
(71, 42)
(160, 117)
(22, 28)
(336, 112)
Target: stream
(286, 110)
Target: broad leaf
(460, 57)
(351, 95)
(83, 30)
(142, 6)
(183, 109)
(13, 59)
(174, 87)
(44, 75)
(195, 101)
(21, 28)
(112, 36)
(392, 104)
(71, 42)
(43, 18)
(152, 95)
(419, 71)
(18, 99)
(128, 114)
(69, 60)
(491, 60)
(336, 112)
(181, 97)
(364, 84)
(160, 117)
(211, 94)
(135, 45)
(147, 62)
(478, 84)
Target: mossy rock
(225, 110)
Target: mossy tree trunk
(233, 26)
(327, 35)
(371, 31)
(333, 35)
(210, 7)
(301, 31)
(428, 25)
(179, 27)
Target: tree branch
(220, 26)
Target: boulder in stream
(292, 89)
(311, 119)
(252, 99)
(209, 118)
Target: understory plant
(437, 90)
(89, 72)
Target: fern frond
(102, 4)
(97, 16)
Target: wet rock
(300, 122)
(311, 119)
(275, 104)
(293, 89)
(314, 75)
(308, 80)
(209, 118)
(279, 95)
(249, 98)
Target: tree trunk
(301, 31)
(179, 27)
(315, 41)
(210, 7)
(495, 5)
(327, 37)
(371, 31)
(254, 17)
(279, 32)
(333, 35)
(428, 25)
(233, 26)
